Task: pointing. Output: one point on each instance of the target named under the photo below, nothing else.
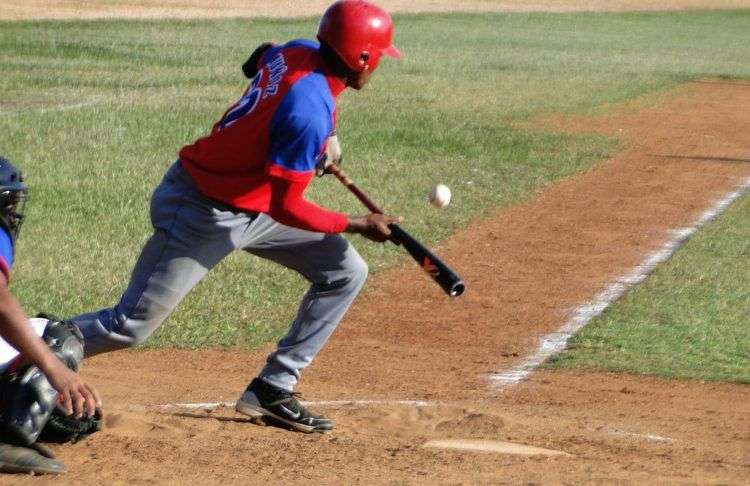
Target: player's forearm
(15, 329)
(306, 215)
(289, 207)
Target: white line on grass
(74, 106)
(555, 342)
(53, 109)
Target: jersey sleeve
(6, 253)
(300, 128)
(288, 206)
(298, 133)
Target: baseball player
(242, 187)
(37, 381)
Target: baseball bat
(441, 273)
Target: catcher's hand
(332, 155)
(76, 397)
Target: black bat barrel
(448, 280)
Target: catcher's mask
(12, 197)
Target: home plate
(492, 446)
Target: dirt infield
(92, 9)
(525, 267)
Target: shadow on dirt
(260, 421)
(701, 157)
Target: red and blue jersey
(6, 253)
(261, 155)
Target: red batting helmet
(359, 32)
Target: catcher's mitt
(61, 428)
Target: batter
(242, 188)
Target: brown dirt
(525, 267)
(90, 9)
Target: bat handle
(344, 179)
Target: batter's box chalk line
(635, 435)
(555, 342)
(313, 403)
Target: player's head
(359, 33)
(12, 197)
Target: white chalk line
(635, 435)
(74, 106)
(648, 437)
(312, 403)
(557, 341)
(53, 109)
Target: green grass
(446, 113)
(688, 320)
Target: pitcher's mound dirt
(524, 267)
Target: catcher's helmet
(12, 197)
(359, 32)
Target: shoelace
(283, 396)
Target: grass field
(95, 111)
(689, 319)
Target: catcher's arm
(76, 395)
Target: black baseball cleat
(263, 399)
(25, 460)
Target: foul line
(556, 342)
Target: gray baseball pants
(192, 234)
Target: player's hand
(373, 226)
(332, 155)
(76, 396)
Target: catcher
(41, 396)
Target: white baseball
(440, 196)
